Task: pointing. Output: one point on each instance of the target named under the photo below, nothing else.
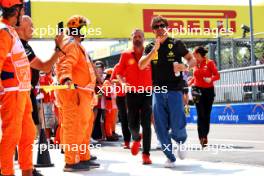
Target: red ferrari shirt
(205, 69)
(117, 86)
(128, 64)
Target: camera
(245, 29)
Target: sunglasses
(159, 26)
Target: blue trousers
(170, 120)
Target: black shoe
(115, 135)
(76, 167)
(51, 141)
(35, 172)
(112, 138)
(90, 163)
(203, 142)
(93, 158)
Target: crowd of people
(147, 83)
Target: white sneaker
(158, 145)
(169, 164)
(181, 151)
(93, 141)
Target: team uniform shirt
(170, 51)
(128, 65)
(205, 69)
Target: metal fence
(233, 53)
(244, 84)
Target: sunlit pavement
(119, 162)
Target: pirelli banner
(116, 21)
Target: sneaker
(158, 145)
(115, 134)
(112, 138)
(35, 172)
(76, 167)
(93, 158)
(126, 145)
(93, 141)
(91, 164)
(146, 159)
(169, 164)
(181, 151)
(135, 147)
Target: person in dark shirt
(25, 32)
(165, 57)
(34, 81)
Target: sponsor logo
(257, 113)
(228, 115)
(193, 19)
(131, 61)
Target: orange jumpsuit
(76, 105)
(18, 127)
(111, 109)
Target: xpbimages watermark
(214, 148)
(81, 148)
(50, 32)
(191, 31)
(149, 90)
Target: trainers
(115, 134)
(126, 145)
(158, 146)
(169, 164)
(135, 147)
(93, 158)
(35, 172)
(93, 141)
(91, 164)
(76, 167)
(181, 151)
(146, 159)
(112, 138)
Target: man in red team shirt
(138, 99)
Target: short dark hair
(137, 30)
(158, 19)
(201, 50)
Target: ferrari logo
(170, 46)
(156, 56)
(131, 61)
